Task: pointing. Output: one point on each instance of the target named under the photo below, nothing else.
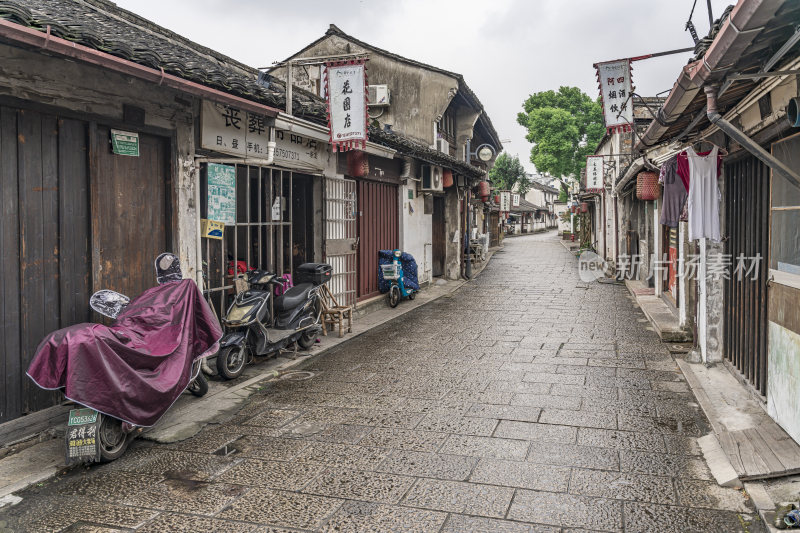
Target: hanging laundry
(704, 195)
(674, 195)
(683, 166)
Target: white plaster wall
(783, 378)
(416, 235)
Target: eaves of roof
(103, 26)
(411, 148)
(468, 93)
(740, 42)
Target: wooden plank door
(130, 214)
(377, 230)
(44, 237)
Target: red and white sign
(346, 93)
(594, 173)
(614, 78)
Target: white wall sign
(292, 150)
(505, 201)
(345, 90)
(594, 173)
(615, 83)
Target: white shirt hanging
(704, 195)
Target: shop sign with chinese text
(345, 90)
(229, 130)
(615, 83)
(594, 173)
(297, 151)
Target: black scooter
(252, 328)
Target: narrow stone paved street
(526, 401)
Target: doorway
(439, 239)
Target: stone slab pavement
(526, 401)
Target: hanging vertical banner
(346, 94)
(614, 79)
(594, 173)
(505, 201)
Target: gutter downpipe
(746, 142)
(21, 35)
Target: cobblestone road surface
(525, 402)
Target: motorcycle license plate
(79, 417)
(81, 439)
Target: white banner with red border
(616, 85)
(346, 94)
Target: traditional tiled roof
(420, 151)
(526, 207)
(102, 25)
(543, 187)
(462, 84)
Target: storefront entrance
(76, 218)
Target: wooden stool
(333, 313)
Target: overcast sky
(506, 49)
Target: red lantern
(447, 178)
(584, 207)
(497, 198)
(357, 164)
(483, 191)
(647, 187)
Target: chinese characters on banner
(345, 90)
(594, 173)
(615, 83)
(505, 201)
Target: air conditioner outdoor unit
(379, 95)
(443, 146)
(431, 178)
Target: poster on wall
(222, 193)
(594, 173)
(346, 94)
(614, 80)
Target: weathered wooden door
(439, 237)
(44, 244)
(745, 293)
(341, 210)
(130, 215)
(377, 230)
(494, 229)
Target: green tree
(507, 172)
(564, 127)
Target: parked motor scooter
(254, 327)
(98, 431)
(394, 272)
